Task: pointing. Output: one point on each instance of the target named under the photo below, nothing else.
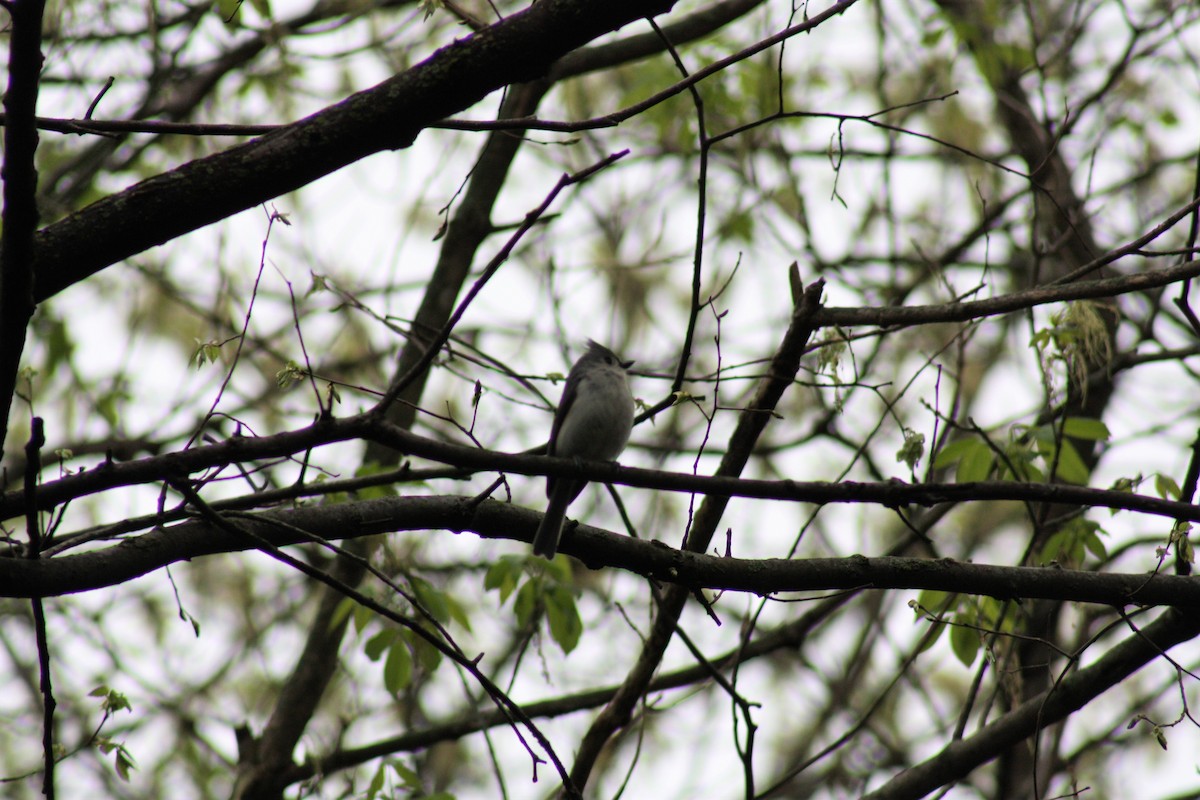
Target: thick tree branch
(20, 213)
(387, 117)
(579, 62)
(141, 555)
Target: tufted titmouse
(592, 423)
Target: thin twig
(33, 467)
(99, 96)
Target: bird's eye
(608, 360)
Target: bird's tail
(545, 542)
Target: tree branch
(20, 214)
(751, 423)
(132, 558)
(387, 117)
(1014, 301)
(891, 494)
(788, 637)
(1062, 699)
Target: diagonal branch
(1061, 700)
(751, 424)
(386, 117)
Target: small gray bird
(593, 421)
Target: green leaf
(379, 643)
(973, 457)
(832, 347)
(936, 631)
(1029, 472)
(122, 760)
(1166, 487)
(930, 602)
(1060, 548)
(913, 448)
(376, 784)
(1095, 546)
(1185, 551)
(442, 605)
(562, 616)
(398, 669)
(362, 617)
(504, 574)
(113, 700)
(1070, 466)
(988, 611)
(319, 283)
(976, 464)
(933, 601)
(954, 452)
(1041, 339)
(965, 644)
(458, 612)
(1127, 485)
(428, 656)
(428, 7)
(407, 776)
(558, 570)
(1093, 430)
(738, 226)
(124, 764)
(1182, 541)
(290, 374)
(526, 603)
(1071, 544)
(431, 599)
(206, 353)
